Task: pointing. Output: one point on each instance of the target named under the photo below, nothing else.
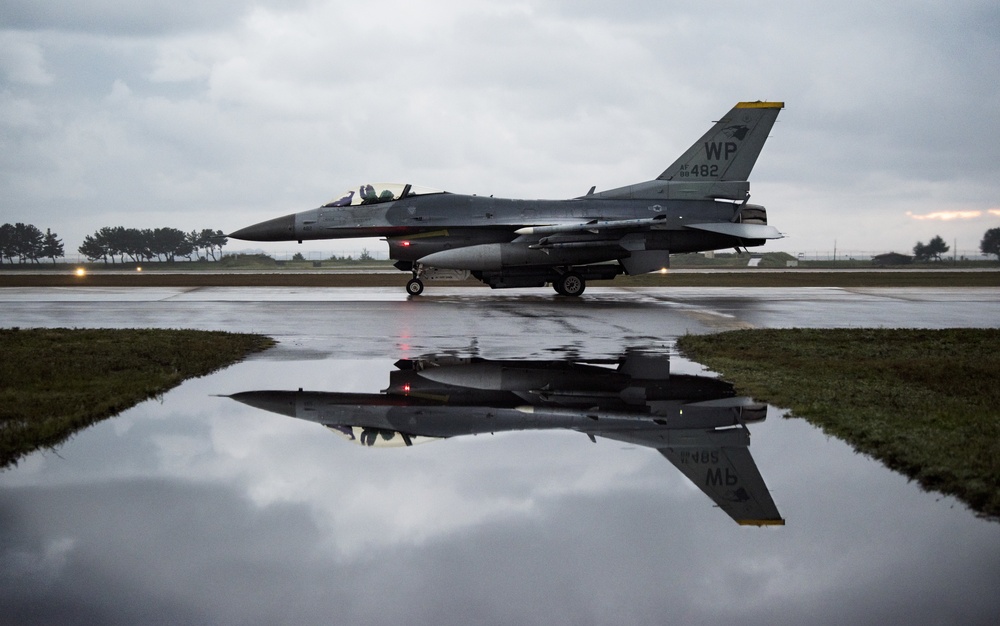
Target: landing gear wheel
(570, 284)
(415, 287)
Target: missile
(592, 226)
(743, 231)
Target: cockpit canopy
(374, 193)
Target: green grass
(54, 382)
(924, 402)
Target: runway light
(81, 272)
(138, 269)
(663, 270)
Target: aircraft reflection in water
(698, 203)
(694, 421)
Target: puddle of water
(205, 507)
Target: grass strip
(926, 403)
(54, 382)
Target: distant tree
(213, 239)
(168, 243)
(298, 257)
(933, 250)
(937, 247)
(158, 243)
(107, 240)
(991, 242)
(7, 243)
(93, 248)
(28, 242)
(137, 245)
(194, 241)
(52, 246)
(203, 240)
(182, 247)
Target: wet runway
(360, 321)
(226, 500)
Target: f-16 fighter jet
(699, 203)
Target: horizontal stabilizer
(743, 231)
(730, 477)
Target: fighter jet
(696, 422)
(699, 203)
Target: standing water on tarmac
(454, 486)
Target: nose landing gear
(415, 286)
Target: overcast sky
(225, 113)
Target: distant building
(892, 258)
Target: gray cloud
(231, 114)
(125, 18)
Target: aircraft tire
(415, 287)
(570, 284)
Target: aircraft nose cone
(278, 229)
(281, 402)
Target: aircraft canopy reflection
(696, 422)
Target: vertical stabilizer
(729, 150)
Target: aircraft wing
(729, 476)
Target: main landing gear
(569, 284)
(566, 280)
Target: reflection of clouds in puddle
(39, 564)
(204, 486)
(366, 497)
